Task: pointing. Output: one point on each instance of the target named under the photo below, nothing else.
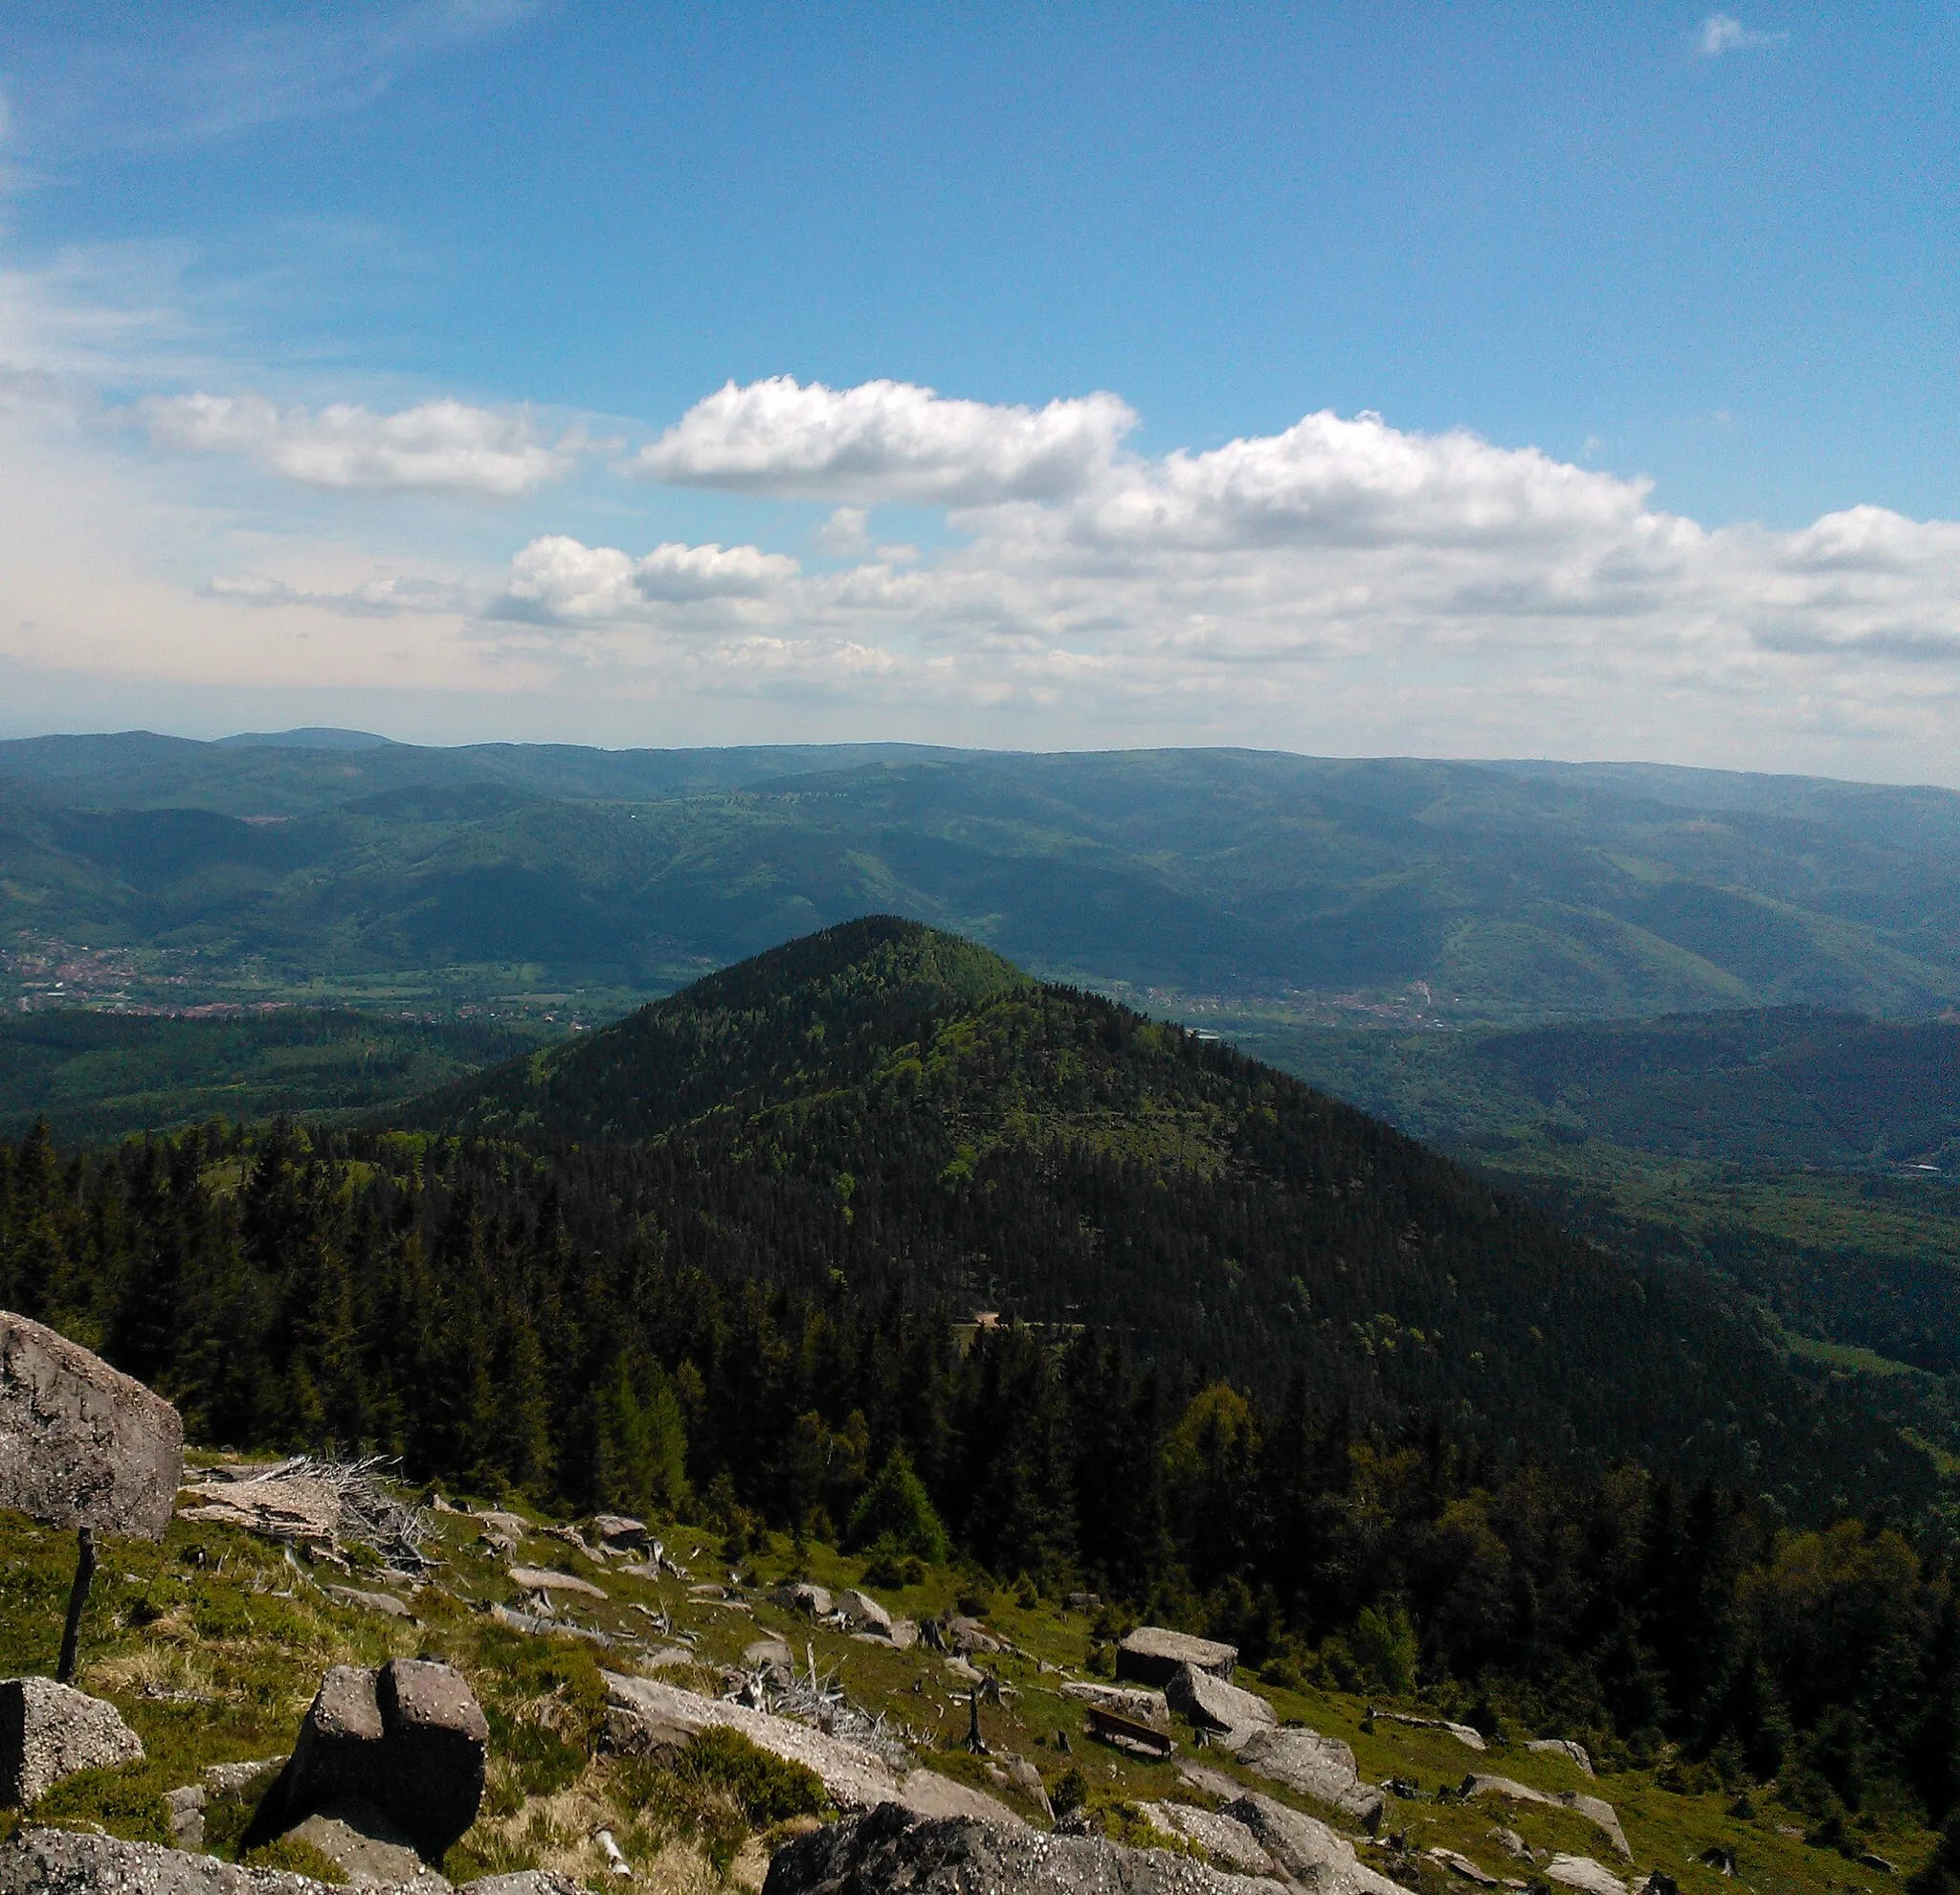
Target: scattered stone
(1083, 1602)
(1146, 1706)
(643, 1714)
(1582, 1873)
(531, 1621)
(547, 1579)
(1318, 1767)
(1563, 1747)
(891, 1848)
(1465, 1868)
(371, 1850)
(966, 1635)
(385, 1603)
(1306, 1849)
(622, 1531)
(861, 1612)
(1595, 1809)
(1224, 1838)
(49, 1731)
(1150, 1654)
(1513, 1843)
(225, 1779)
(60, 1862)
(771, 1654)
(1212, 1704)
(1463, 1734)
(966, 1673)
(1027, 1779)
(1871, 1859)
(813, 1602)
(80, 1443)
(186, 1807)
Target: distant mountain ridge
(1438, 891)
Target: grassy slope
(216, 1661)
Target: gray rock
(525, 1882)
(622, 1531)
(891, 1848)
(863, 1613)
(1563, 1747)
(384, 1602)
(372, 1851)
(59, 1862)
(1212, 1704)
(223, 1779)
(80, 1443)
(1150, 1708)
(1150, 1654)
(966, 1635)
(186, 1815)
(434, 1752)
(1582, 1873)
(1318, 1767)
(1224, 1838)
(410, 1741)
(646, 1715)
(771, 1654)
(1595, 1810)
(49, 1731)
(813, 1602)
(1464, 1734)
(1306, 1849)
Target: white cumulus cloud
(436, 446)
(559, 580)
(1723, 33)
(886, 441)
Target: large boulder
(407, 1744)
(1212, 1704)
(891, 1848)
(1152, 1654)
(82, 1445)
(49, 1731)
(1314, 1766)
(60, 1862)
(863, 1613)
(1306, 1849)
(1224, 1838)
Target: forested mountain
(1427, 890)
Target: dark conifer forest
(1143, 1314)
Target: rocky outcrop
(1582, 1873)
(59, 1862)
(643, 1714)
(80, 1443)
(49, 1731)
(1563, 1747)
(1214, 1706)
(1595, 1810)
(1224, 1838)
(1314, 1766)
(1306, 1850)
(1152, 1654)
(893, 1849)
(405, 1743)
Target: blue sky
(1701, 263)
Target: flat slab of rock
(1464, 1734)
(1151, 1708)
(82, 1445)
(1152, 1654)
(295, 1509)
(1306, 1849)
(547, 1579)
(371, 1850)
(60, 1862)
(891, 1848)
(49, 1731)
(1314, 1766)
(383, 1602)
(1227, 1840)
(802, 1595)
(622, 1529)
(1582, 1873)
(1595, 1810)
(1563, 1747)
(646, 1713)
(1212, 1704)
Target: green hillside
(1179, 880)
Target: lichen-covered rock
(891, 1848)
(58, 1862)
(1151, 1653)
(1314, 1766)
(49, 1731)
(434, 1752)
(1563, 1747)
(1582, 1873)
(863, 1613)
(1212, 1704)
(1306, 1850)
(82, 1445)
(1227, 1840)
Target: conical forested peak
(810, 1016)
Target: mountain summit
(887, 1106)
